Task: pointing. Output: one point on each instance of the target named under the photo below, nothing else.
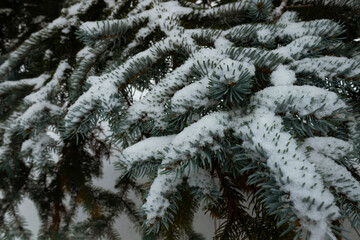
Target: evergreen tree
(248, 109)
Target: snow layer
(156, 202)
(34, 111)
(287, 28)
(299, 47)
(323, 152)
(198, 134)
(282, 76)
(301, 99)
(36, 83)
(181, 147)
(328, 66)
(194, 95)
(153, 147)
(294, 173)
